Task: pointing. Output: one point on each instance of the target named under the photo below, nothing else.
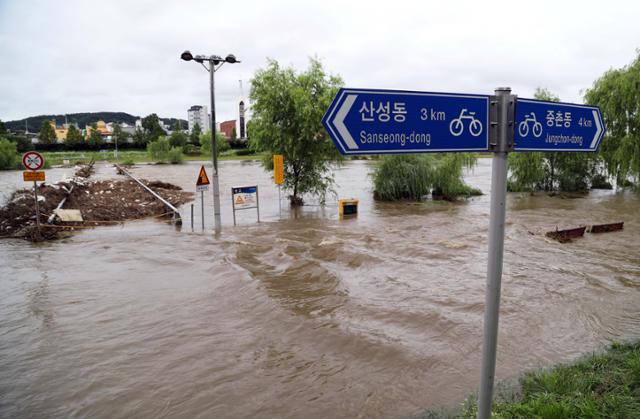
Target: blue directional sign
(554, 126)
(364, 121)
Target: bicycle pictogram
(523, 127)
(456, 127)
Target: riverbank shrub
(221, 142)
(9, 157)
(158, 150)
(414, 176)
(175, 155)
(402, 176)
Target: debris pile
(86, 170)
(100, 202)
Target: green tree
(9, 157)
(159, 149)
(139, 138)
(118, 136)
(22, 141)
(178, 139)
(194, 137)
(95, 140)
(47, 134)
(287, 114)
(617, 93)
(74, 138)
(3, 128)
(205, 143)
(152, 128)
(178, 125)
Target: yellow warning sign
(239, 200)
(203, 179)
(278, 169)
(33, 176)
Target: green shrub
(221, 142)
(159, 150)
(599, 181)
(191, 150)
(178, 139)
(245, 152)
(9, 157)
(175, 155)
(128, 162)
(403, 176)
(413, 176)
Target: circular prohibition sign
(32, 160)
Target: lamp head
(187, 56)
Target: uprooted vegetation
(100, 202)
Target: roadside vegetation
(414, 176)
(603, 385)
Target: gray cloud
(75, 56)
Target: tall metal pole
(505, 102)
(214, 152)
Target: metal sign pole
(505, 102)
(35, 196)
(233, 205)
(279, 203)
(258, 203)
(202, 208)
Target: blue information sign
(364, 121)
(554, 126)
(244, 189)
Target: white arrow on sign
(338, 121)
(598, 129)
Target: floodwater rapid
(304, 314)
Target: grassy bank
(605, 385)
(135, 156)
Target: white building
(198, 115)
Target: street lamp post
(215, 62)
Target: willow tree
(617, 93)
(413, 176)
(287, 119)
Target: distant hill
(82, 119)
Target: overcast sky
(83, 56)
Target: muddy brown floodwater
(304, 316)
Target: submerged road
(307, 316)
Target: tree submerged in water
(287, 119)
(413, 176)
